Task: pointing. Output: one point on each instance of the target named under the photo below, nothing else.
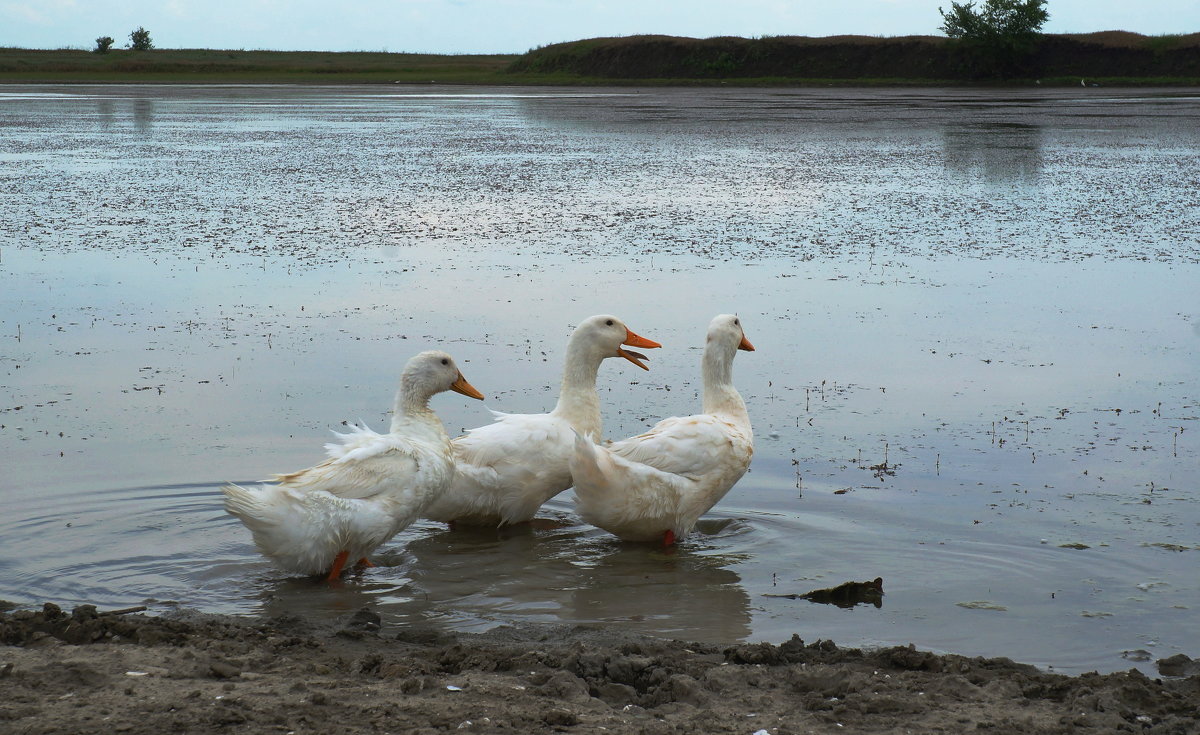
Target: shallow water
(988, 297)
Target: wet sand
(85, 671)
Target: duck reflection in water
(472, 580)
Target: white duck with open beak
(508, 469)
(657, 485)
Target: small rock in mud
(559, 717)
(565, 686)
(223, 670)
(756, 653)
(365, 620)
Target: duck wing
(364, 465)
(514, 446)
(505, 470)
(689, 446)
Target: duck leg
(668, 538)
(338, 563)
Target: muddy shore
(93, 671)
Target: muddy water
(975, 312)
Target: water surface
(975, 314)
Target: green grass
(1166, 42)
(1122, 81)
(203, 66)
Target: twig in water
(125, 610)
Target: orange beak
(745, 344)
(462, 386)
(635, 340)
(634, 357)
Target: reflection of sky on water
(997, 153)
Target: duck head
(434, 371)
(726, 329)
(605, 336)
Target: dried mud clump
(85, 624)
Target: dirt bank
(85, 672)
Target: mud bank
(88, 671)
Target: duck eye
(445, 361)
(735, 321)
(609, 322)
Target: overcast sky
(515, 26)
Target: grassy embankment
(200, 66)
(1112, 57)
(1109, 58)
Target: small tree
(999, 20)
(996, 40)
(103, 44)
(139, 40)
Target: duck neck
(720, 397)
(578, 402)
(411, 406)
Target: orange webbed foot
(339, 563)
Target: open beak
(462, 386)
(745, 344)
(634, 357)
(634, 340)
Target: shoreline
(124, 671)
(582, 83)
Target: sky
(515, 26)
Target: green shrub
(139, 40)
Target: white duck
(508, 469)
(658, 484)
(371, 487)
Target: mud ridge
(87, 671)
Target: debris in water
(982, 605)
(847, 594)
(1178, 665)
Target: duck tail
(239, 501)
(257, 507)
(590, 469)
